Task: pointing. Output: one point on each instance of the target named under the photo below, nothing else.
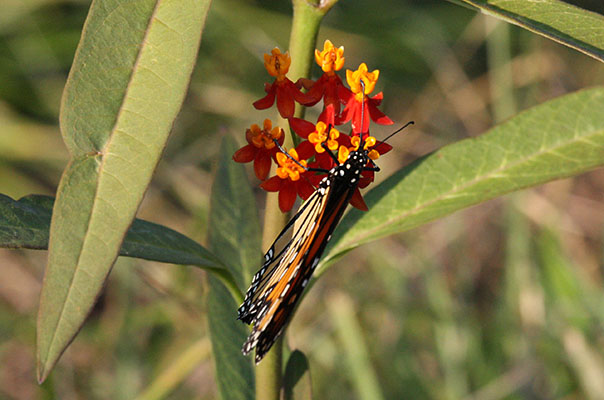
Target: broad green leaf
(234, 233)
(125, 87)
(296, 379)
(567, 24)
(234, 371)
(557, 139)
(234, 228)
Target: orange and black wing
(274, 265)
(278, 286)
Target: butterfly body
(277, 286)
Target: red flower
(291, 180)
(358, 101)
(260, 148)
(333, 92)
(357, 201)
(329, 87)
(317, 135)
(293, 177)
(282, 88)
(352, 112)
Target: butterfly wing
(276, 293)
(274, 265)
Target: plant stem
(269, 373)
(501, 80)
(228, 280)
(305, 27)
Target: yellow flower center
(330, 59)
(354, 79)
(277, 64)
(288, 168)
(373, 154)
(265, 137)
(343, 153)
(319, 136)
(370, 141)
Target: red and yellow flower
(277, 64)
(340, 105)
(360, 108)
(261, 147)
(290, 180)
(329, 86)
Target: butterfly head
(350, 170)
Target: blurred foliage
(501, 301)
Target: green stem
(501, 80)
(269, 373)
(302, 41)
(305, 27)
(228, 280)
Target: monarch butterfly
(277, 286)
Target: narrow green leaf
(348, 328)
(178, 370)
(125, 87)
(235, 235)
(567, 24)
(569, 294)
(296, 379)
(557, 139)
(25, 224)
(586, 361)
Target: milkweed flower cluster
(341, 105)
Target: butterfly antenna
(397, 131)
(296, 161)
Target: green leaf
(235, 235)
(564, 23)
(234, 227)
(357, 361)
(125, 87)
(296, 379)
(557, 139)
(234, 371)
(177, 371)
(568, 294)
(25, 224)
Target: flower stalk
(305, 27)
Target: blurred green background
(501, 301)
